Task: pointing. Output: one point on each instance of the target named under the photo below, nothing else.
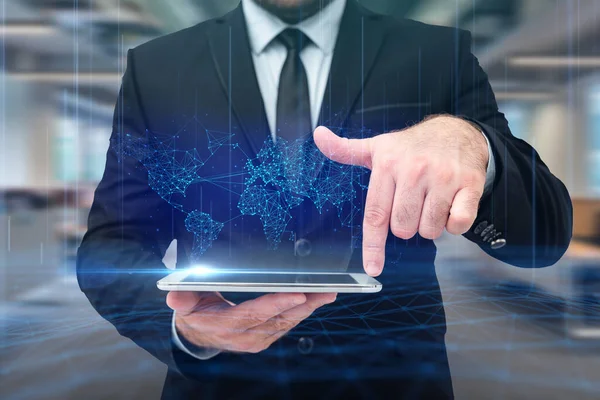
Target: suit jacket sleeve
(129, 231)
(528, 206)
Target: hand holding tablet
(208, 320)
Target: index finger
(376, 224)
(343, 150)
(254, 312)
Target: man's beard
(292, 14)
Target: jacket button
(305, 345)
(498, 244)
(302, 247)
(488, 237)
(487, 230)
(481, 227)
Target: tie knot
(294, 39)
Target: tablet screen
(268, 279)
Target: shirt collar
(322, 28)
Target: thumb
(343, 150)
(186, 302)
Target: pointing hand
(423, 179)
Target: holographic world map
(280, 177)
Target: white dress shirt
(269, 55)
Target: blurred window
(517, 114)
(97, 145)
(594, 139)
(79, 151)
(66, 155)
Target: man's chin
(289, 4)
(293, 11)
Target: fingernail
(372, 268)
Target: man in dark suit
(212, 145)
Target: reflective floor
(507, 339)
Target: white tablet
(208, 280)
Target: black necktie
(293, 101)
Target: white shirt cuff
(201, 353)
(491, 167)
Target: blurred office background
(512, 333)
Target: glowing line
(65, 77)
(554, 62)
(26, 30)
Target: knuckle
(376, 216)
(420, 163)
(281, 324)
(472, 201)
(403, 227)
(473, 179)
(249, 319)
(417, 173)
(405, 217)
(439, 210)
(387, 162)
(445, 175)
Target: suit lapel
(360, 39)
(230, 50)
(361, 36)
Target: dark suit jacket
(187, 92)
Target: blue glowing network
(170, 171)
(205, 231)
(282, 176)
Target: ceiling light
(66, 77)
(554, 62)
(585, 333)
(7, 30)
(530, 96)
